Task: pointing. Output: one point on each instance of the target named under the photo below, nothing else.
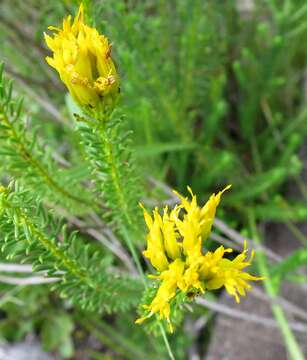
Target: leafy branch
(39, 171)
(82, 270)
(112, 164)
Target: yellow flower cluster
(82, 58)
(174, 248)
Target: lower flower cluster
(175, 249)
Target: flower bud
(83, 60)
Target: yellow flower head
(83, 60)
(175, 249)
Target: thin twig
(115, 248)
(112, 243)
(16, 268)
(290, 341)
(223, 241)
(60, 160)
(167, 190)
(238, 238)
(32, 280)
(192, 351)
(288, 306)
(24, 78)
(258, 293)
(45, 104)
(27, 38)
(247, 316)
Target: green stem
(107, 340)
(134, 255)
(114, 343)
(52, 248)
(95, 355)
(126, 235)
(256, 155)
(127, 220)
(301, 185)
(122, 203)
(296, 232)
(292, 346)
(20, 219)
(166, 342)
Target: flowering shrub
(211, 96)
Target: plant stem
(127, 222)
(113, 342)
(296, 232)
(166, 342)
(130, 244)
(122, 203)
(68, 263)
(292, 346)
(106, 340)
(134, 255)
(256, 155)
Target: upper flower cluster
(83, 60)
(174, 248)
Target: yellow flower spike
(82, 57)
(155, 251)
(175, 249)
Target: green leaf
(258, 184)
(286, 268)
(279, 211)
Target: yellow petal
(208, 212)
